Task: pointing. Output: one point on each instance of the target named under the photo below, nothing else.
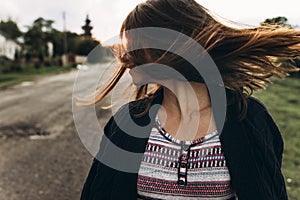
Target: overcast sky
(107, 15)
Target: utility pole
(65, 33)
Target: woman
(183, 156)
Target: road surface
(42, 156)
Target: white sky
(107, 15)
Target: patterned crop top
(174, 169)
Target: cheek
(137, 78)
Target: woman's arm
(263, 123)
(267, 146)
(94, 175)
(278, 143)
(273, 156)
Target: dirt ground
(43, 169)
(42, 157)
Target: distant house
(8, 47)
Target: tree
(41, 32)
(283, 22)
(10, 28)
(86, 45)
(277, 21)
(77, 44)
(87, 28)
(37, 36)
(56, 37)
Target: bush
(16, 67)
(47, 63)
(8, 66)
(37, 65)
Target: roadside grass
(30, 74)
(283, 101)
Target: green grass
(30, 74)
(283, 101)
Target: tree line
(40, 34)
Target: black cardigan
(252, 147)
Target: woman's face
(139, 77)
(154, 74)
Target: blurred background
(43, 45)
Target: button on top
(181, 182)
(183, 165)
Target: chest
(164, 172)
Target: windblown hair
(247, 58)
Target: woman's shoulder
(257, 111)
(127, 112)
(140, 107)
(260, 116)
(256, 105)
(131, 108)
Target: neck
(183, 105)
(185, 98)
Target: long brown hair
(246, 57)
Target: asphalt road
(42, 156)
